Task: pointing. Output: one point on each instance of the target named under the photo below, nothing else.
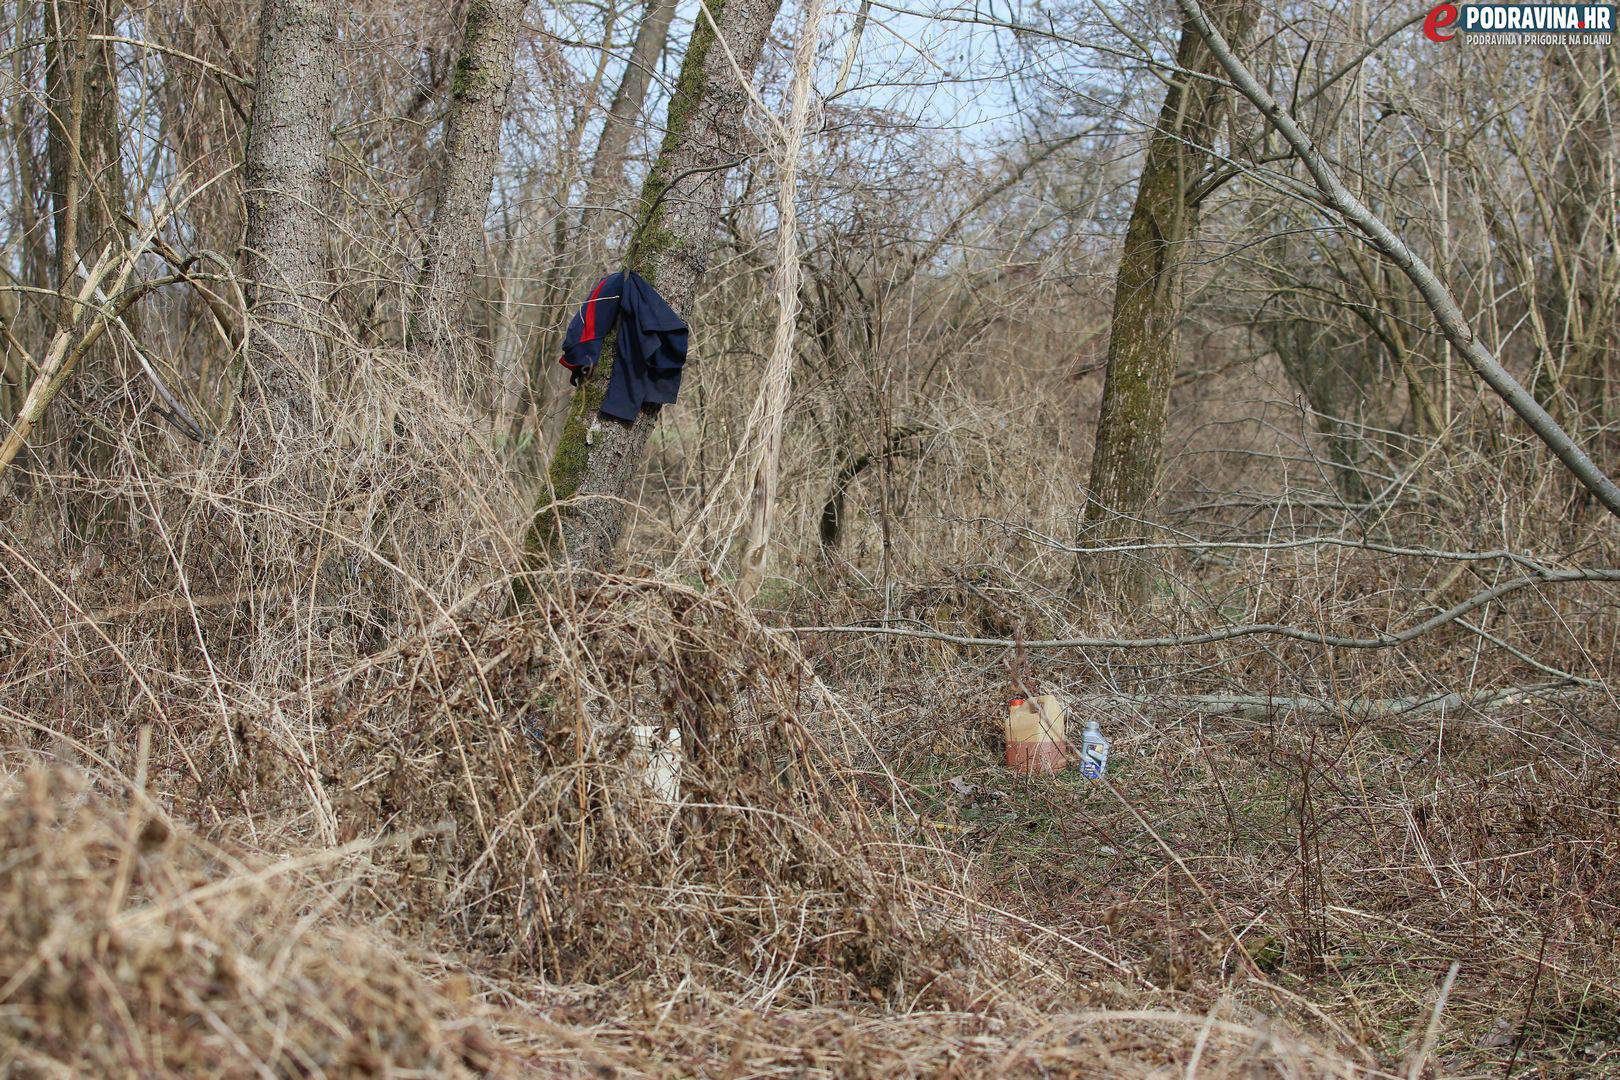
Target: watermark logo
(1521, 24)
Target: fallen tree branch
(1198, 546)
(1226, 633)
(1265, 706)
(1447, 312)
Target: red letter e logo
(1442, 16)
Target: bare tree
(590, 236)
(1143, 334)
(284, 254)
(472, 142)
(87, 204)
(1447, 313)
(1584, 208)
(86, 174)
(591, 471)
(607, 164)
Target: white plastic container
(660, 754)
(1093, 752)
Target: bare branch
(1448, 314)
(1227, 633)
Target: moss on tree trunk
(1147, 309)
(582, 515)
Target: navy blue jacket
(650, 350)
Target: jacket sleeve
(582, 345)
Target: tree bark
(87, 203)
(471, 147)
(677, 221)
(1143, 332)
(607, 164)
(284, 251)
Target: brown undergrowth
(474, 795)
(1326, 853)
(129, 947)
(848, 883)
(509, 749)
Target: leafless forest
(1240, 373)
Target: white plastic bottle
(1093, 752)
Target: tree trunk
(594, 237)
(286, 469)
(677, 221)
(87, 204)
(471, 146)
(284, 254)
(1147, 306)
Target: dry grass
(473, 793)
(1326, 857)
(416, 816)
(510, 746)
(130, 947)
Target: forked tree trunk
(582, 516)
(284, 253)
(1147, 306)
(472, 142)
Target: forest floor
(437, 868)
(1351, 861)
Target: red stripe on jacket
(590, 313)
(588, 333)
